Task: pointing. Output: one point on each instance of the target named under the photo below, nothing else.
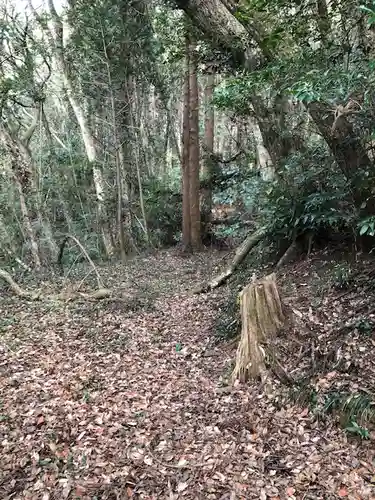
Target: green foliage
(370, 12)
(351, 409)
(342, 276)
(365, 326)
(300, 65)
(163, 213)
(357, 430)
(305, 199)
(309, 196)
(366, 226)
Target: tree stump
(262, 316)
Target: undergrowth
(354, 412)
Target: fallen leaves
(101, 403)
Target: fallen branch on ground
(16, 289)
(289, 255)
(100, 293)
(241, 253)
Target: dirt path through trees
(98, 402)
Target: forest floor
(130, 398)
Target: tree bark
(241, 253)
(195, 215)
(271, 118)
(207, 170)
(117, 147)
(126, 155)
(346, 147)
(323, 21)
(21, 171)
(223, 29)
(186, 219)
(28, 228)
(24, 156)
(264, 161)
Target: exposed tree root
(99, 294)
(262, 314)
(241, 253)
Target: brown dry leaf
(342, 492)
(182, 462)
(181, 487)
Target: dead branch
(98, 294)
(241, 253)
(289, 255)
(16, 289)
(17, 259)
(101, 293)
(278, 370)
(231, 221)
(84, 252)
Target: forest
(187, 226)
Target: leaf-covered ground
(128, 398)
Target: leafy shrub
(366, 226)
(342, 276)
(163, 212)
(309, 195)
(353, 409)
(305, 199)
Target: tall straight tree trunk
(117, 147)
(186, 219)
(209, 136)
(127, 154)
(37, 181)
(195, 214)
